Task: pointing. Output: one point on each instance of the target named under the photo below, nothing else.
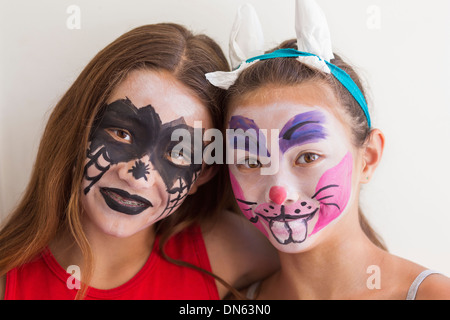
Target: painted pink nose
(277, 194)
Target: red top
(44, 278)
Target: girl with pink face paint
(308, 209)
(287, 209)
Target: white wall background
(400, 47)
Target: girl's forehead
(277, 114)
(170, 98)
(274, 106)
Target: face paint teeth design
(287, 223)
(122, 201)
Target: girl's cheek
(245, 204)
(333, 191)
(331, 196)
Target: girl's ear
(208, 172)
(373, 151)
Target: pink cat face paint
(288, 223)
(246, 206)
(333, 191)
(313, 185)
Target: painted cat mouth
(287, 228)
(122, 201)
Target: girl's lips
(122, 201)
(287, 228)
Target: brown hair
(289, 71)
(51, 202)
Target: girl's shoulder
(236, 236)
(420, 282)
(238, 252)
(436, 286)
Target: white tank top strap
(410, 296)
(252, 290)
(416, 283)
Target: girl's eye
(307, 158)
(251, 163)
(120, 135)
(178, 157)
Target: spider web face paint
(149, 137)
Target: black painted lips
(122, 201)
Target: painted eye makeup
(179, 157)
(120, 135)
(124, 133)
(180, 154)
(307, 158)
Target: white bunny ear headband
(313, 42)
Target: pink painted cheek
(243, 204)
(333, 191)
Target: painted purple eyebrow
(240, 122)
(303, 128)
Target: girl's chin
(292, 248)
(120, 225)
(123, 231)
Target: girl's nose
(277, 194)
(137, 173)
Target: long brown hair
(289, 71)
(51, 202)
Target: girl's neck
(335, 268)
(116, 260)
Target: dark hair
(51, 202)
(289, 72)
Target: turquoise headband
(337, 72)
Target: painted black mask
(150, 137)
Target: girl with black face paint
(111, 212)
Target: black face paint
(149, 137)
(139, 170)
(122, 201)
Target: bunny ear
(246, 38)
(312, 31)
